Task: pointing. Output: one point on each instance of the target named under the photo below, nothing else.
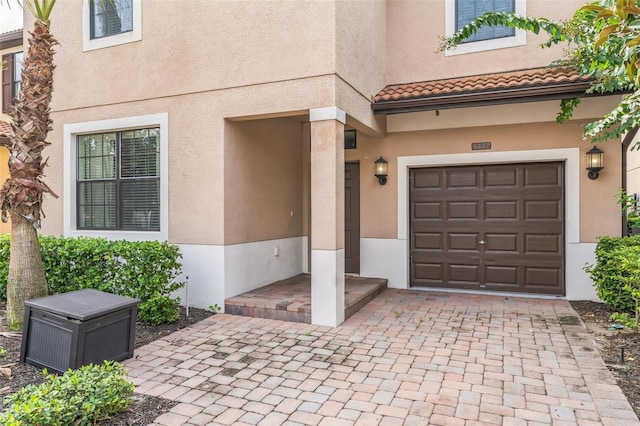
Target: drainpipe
(628, 138)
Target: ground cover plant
(78, 397)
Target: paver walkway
(408, 357)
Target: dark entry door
(496, 227)
(352, 218)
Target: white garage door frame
(571, 157)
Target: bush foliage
(79, 397)
(146, 270)
(616, 273)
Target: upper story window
(458, 13)
(468, 10)
(118, 183)
(109, 23)
(11, 78)
(110, 17)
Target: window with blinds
(110, 17)
(468, 10)
(118, 183)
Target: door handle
(481, 242)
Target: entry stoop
(290, 299)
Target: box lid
(82, 304)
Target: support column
(327, 216)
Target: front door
(352, 218)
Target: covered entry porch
(290, 299)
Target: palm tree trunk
(26, 275)
(21, 195)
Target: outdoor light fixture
(381, 170)
(595, 162)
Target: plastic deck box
(81, 327)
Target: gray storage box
(81, 327)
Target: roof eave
(11, 39)
(485, 98)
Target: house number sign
(476, 146)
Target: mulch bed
(144, 409)
(626, 370)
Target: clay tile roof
(516, 86)
(5, 128)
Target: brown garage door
(497, 227)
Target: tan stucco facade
(253, 98)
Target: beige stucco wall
(412, 40)
(209, 45)
(264, 180)
(378, 204)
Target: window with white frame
(116, 175)
(118, 183)
(458, 13)
(109, 23)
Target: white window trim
(71, 131)
(520, 39)
(114, 40)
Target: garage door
(495, 228)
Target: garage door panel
(501, 275)
(543, 175)
(542, 210)
(501, 210)
(463, 274)
(540, 243)
(460, 241)
(462, 178)
(501, 242)
(501, 177)
(427, 211)
(516, 210)
(462, 210)
(428, 241)
(543, 277)
(430, 179)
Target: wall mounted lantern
(595, 162)
(381, 170)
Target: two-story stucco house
(222, 130)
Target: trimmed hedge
(78, 397)
(145, 270)
(617, 261)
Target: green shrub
(617, 263)
(145, 270)
(79, 397)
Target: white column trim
(327, 113)
(327, 287)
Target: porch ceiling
(529, 85)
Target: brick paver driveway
(408, 357)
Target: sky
(10, 18)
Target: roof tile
(522, 79)
(5, 128)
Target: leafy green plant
(146, 270)
(215, 308)
(79, 397)
(616, 273)
(629, 205)
(3, 352)
(625, 319)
